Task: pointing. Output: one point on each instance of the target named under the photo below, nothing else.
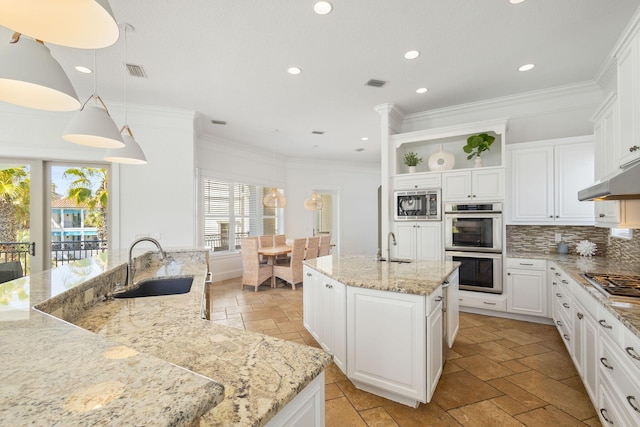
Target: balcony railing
(16, 251)
(218, 242)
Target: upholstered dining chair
(313, 244)
(265, 242)
(253, 273)
(292, 272)
(325, 245)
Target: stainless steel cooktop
(618, 287)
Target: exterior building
(68, 222)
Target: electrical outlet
(558, 237)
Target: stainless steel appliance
(473, 227)
(417, 205)
(479, 271)
(622, 185)
(617, 287)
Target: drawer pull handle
(631, 352)
(438, 298)
(552, 268)
(565, 305)
(526, 263)
(605, 363)
(630, 399)
(559, 323)
(634, 148)
(559, 295)
(558, 274)
(309, 274)
(488, 303)
(566, 337)
(603, 412)
(601, 215)
(580, 316)
(603, 323)
(565, 282)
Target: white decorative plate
(441, 161)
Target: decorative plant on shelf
(476, 144)
(412, 159)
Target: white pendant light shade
(31, 77)
(86, 24)
(274, 199)
(92, 126)
(130, 154)
(314, 203)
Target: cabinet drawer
(562, 301)
(621, 376)
(631, 348)
(434, 299)
(563, 326)
(609, 325)
(484, 301)
(413, 181)
(527, 264)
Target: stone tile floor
(500, 372)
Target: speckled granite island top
(575, 265)
(125, 373)
(415, 277)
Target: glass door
(326, 220)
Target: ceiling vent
(376, 83)
(317, 132)
(218, 122)
(136, 70)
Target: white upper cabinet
(478, 185)
(629, 101)
(545, 178)
(419, 240)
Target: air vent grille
(136, 70)
(376, 83)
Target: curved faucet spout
(130, 267)
(389, 237)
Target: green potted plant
(476, 144)
(411, 159)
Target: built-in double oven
(473, 236)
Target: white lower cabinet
(305, 410)
(324, 315)
(585, 348)
(435, 343)
(527, 287)
(387, 344)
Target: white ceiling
(228, 60)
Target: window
(233, 211)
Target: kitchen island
(140, 361)
(384, 323)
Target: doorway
(327, 219)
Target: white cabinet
(527, 287)
(544, 181)
(585, 348)
(305, 410)
(628, 80)
(434, 343)
(483, 184)
(453, 307)
(387, 349)
(324, 316)
(419, 240)
(417, 181)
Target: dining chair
(253, 273)
(10, 271)
(280, 240)
(292, 272)
(265, 241)
(313, 244)
(325, 245)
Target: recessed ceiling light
(412, 54)
(364, 138)
(515, 1)
(84, 70)
(322, 7)
(359, 149)
(294, 70)
(422, 90)
(526, 67)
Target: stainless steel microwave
(417, 205)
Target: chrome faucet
(393, 237)
(131, 270)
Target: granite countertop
(575, 265)
(415, 277)
(176, 366)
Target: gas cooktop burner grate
(623, 285)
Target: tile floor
(500, 372)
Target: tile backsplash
(541, 238)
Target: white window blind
(233, 211)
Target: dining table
(271, 252)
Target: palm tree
(81, 190)
(14, 202)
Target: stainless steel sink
(158, 287)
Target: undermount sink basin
(399, 261)
(157, 287)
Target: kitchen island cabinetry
(419, 240)
(481, 185)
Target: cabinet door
(434, 350)
(311, 296)
(487, 184)
(339, 327)
(628, 103)
(456, 186)
(574, 170)
(387, 341)
(585, 348)
(453, 307)
(531, 181)
(429, 241)
(405, 241)
(326, 319)
(527, 292)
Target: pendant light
(131, 153)
(92, 125)
(31, 77)
(86, 24)
(314, 202)
(274, 199)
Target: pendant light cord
(126, 103)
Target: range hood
(622, 185)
